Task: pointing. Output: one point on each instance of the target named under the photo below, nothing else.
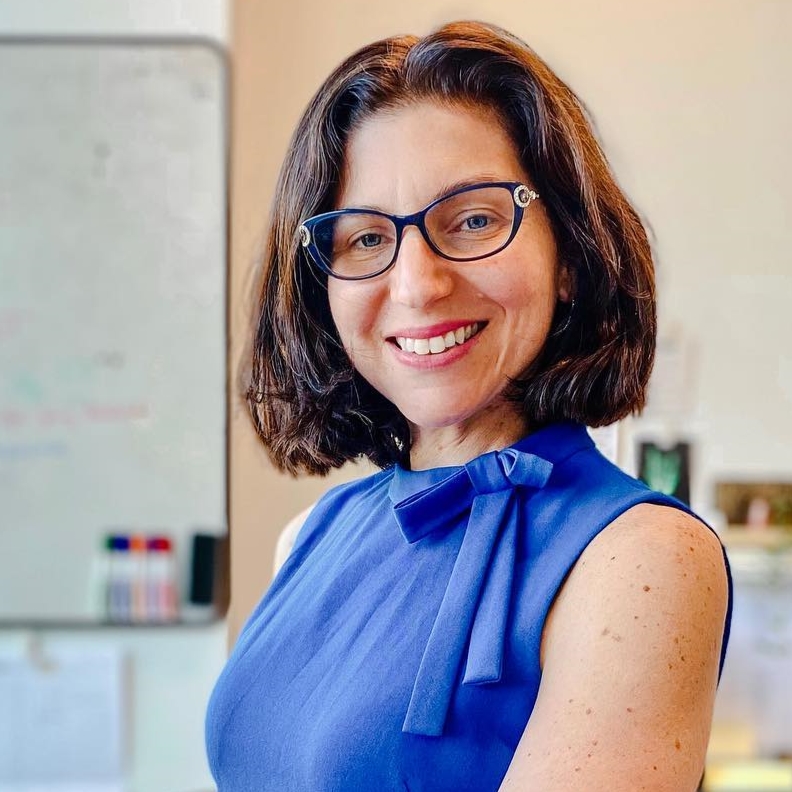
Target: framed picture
(666, 468)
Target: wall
(686, 99)
(173, 670)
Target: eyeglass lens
(468, 225)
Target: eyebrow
(444, 190)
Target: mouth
(437, 345)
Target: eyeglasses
(468, 224)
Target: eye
(475, 222)
(368, 240)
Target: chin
(424, 417)
(437, 416)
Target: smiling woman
(454, 287)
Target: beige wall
(691, 100)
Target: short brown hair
(309, 406)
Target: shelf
(748, 776)
(749, 537)
(54, 625)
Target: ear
(566, 285)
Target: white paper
(606, 438)
(670, 394)
(61, 721)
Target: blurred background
(139, 146)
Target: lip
(441, 328)
(442, 359)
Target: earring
(565, 326)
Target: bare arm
(630, 662)
(287, 537)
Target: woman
(455, 287)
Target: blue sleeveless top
(398, 647)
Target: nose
(419, 277)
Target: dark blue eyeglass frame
(522, 195)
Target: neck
(457, 444)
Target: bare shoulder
(665, 526)
(630, 653)
(649, 552)
(288, 536)
(652, 561)
(657, 544)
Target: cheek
(340, 308)
(527, 272)
(351, 309)
(531, 290)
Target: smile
(438, 344)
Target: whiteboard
(113, 274)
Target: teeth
(438, 344)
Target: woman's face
(398, 161)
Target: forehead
(400, 159)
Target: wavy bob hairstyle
(310, 407)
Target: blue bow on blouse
(477, 597)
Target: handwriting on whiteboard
(70, 418)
